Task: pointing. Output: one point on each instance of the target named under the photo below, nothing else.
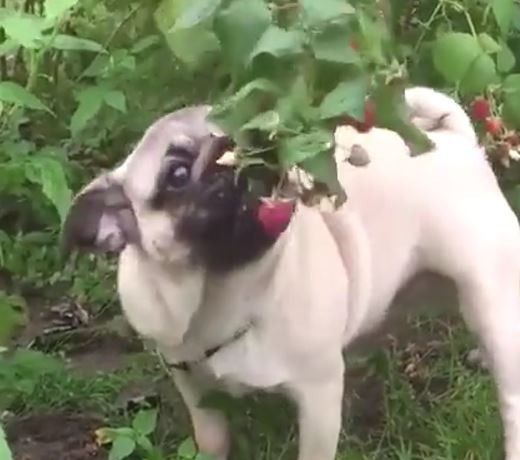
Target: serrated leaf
(115, 99)
(453, 54)
(71, 43)
(503, 10)
(122, 448)
(266, 121)
(90, 103)
(481, 73)
(488, 43)
(48, 172)
(348, 98)
(187, 449)
(56, 8)
(315, 13)
(294, 150)
(13, 93)
(331, 45)
(239, 27)
(195, 13)
(392, 114)
(24, 29)
(278, 42)
(145, 422)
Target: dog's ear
(100, 219)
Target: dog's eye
(179, 176)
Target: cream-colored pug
(232, 303)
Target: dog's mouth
(227, 224)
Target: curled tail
(432, 110)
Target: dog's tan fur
(332, 277)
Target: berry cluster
(501, 143)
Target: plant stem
(426, 26)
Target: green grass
(416, 399)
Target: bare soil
(57, 436)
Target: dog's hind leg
(491, 306)
(210, 427)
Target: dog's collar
(185, 365)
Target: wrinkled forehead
(184, 129)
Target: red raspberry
(480, 109)
(275, 216)
(493, 126)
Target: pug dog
(234, 303)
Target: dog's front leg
(211, 430)
(319, 405)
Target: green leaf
(266, 121)
(145, 422)
(24, 29)
(122, 448)
(145, 43)
(503, 11)
(278, 43)
(115, 99)
(195, 13)
(511, 88)
(235, 111)
(481, 73)
(453, 54)
(505, 58)
(488, 43)
(13, 311)
(331, 45)
(187, 450)
(191, 46)
(48, 172)
(323, 169)
(8, 47)
(90, 102)
(373, 35)
(295, 108)
(315, 13)
(392, 114)
(5, 451)
(348, 98)
(71, 43)
(239, 27)
(296, 149)
(56, 8)
(13, 93)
